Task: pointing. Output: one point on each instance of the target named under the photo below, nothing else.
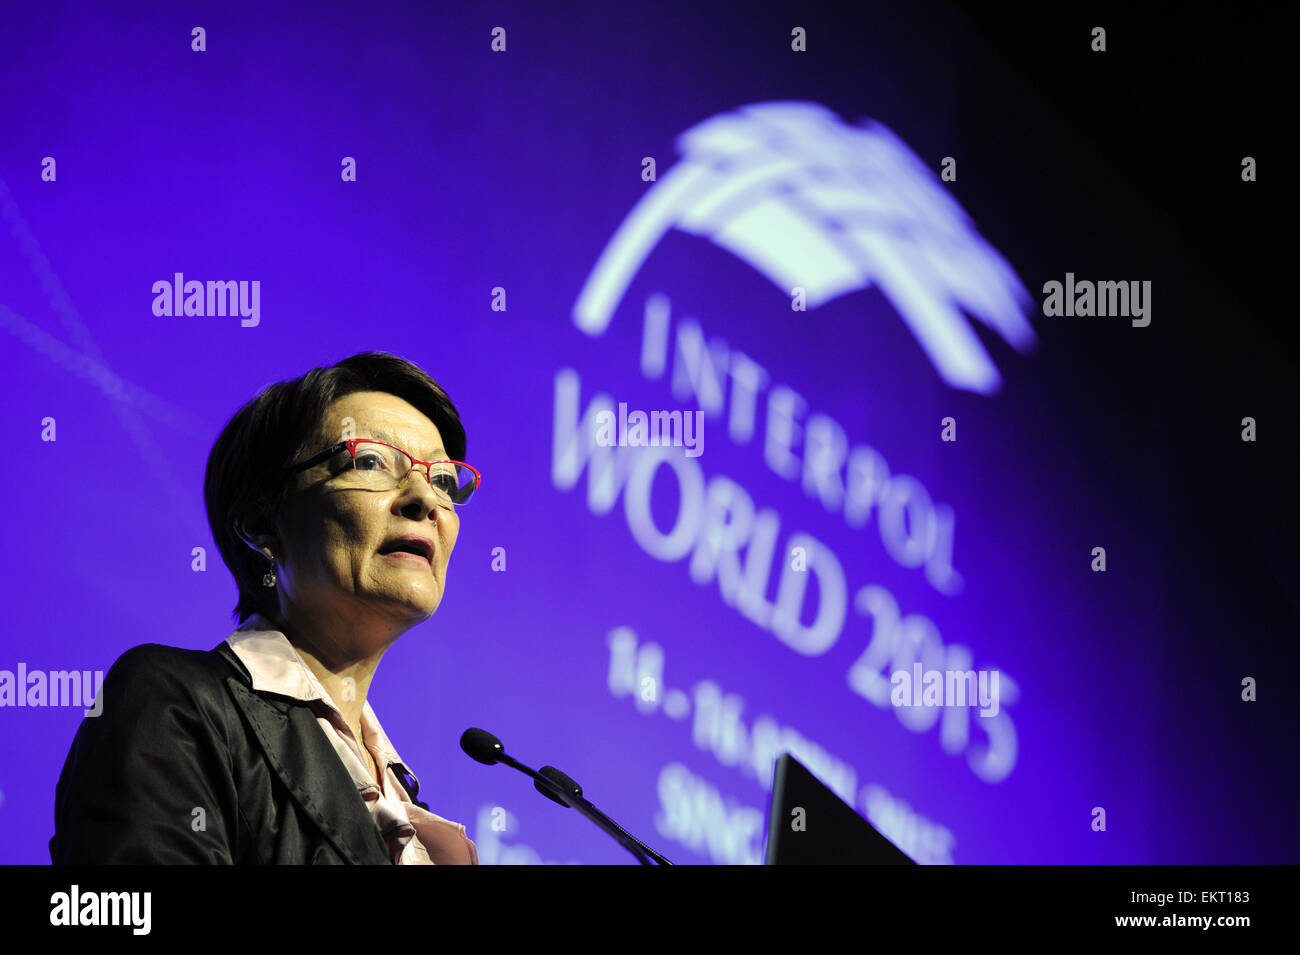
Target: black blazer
(188, 764)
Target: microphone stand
(585, 808)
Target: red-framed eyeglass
(389, 468)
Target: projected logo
(814, 203)
(817, 206)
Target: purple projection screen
(814, 415)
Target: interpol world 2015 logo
(819, 208)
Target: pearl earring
(268, 579)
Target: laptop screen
(809, 825)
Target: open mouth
(413, 558)
(408, 550)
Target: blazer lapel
(310, 769)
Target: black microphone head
(482, 746)
(563, 781)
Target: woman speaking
(334, 500)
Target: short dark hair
(245, 478)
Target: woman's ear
(257, 538)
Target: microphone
(575, 792)
(485, 748)
(481, 745)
